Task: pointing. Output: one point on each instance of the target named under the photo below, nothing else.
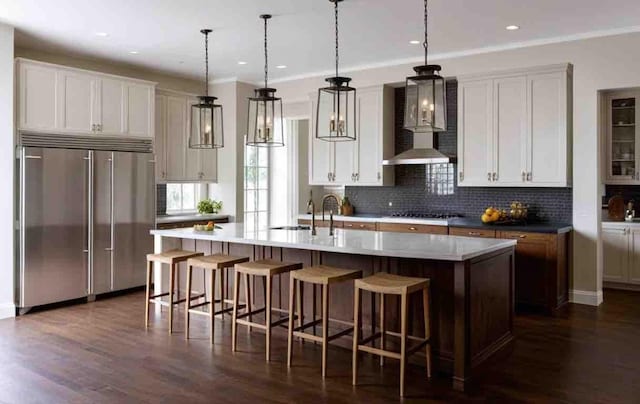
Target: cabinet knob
(524, 176)
(488, 176)
(461, 176)
(379, 176)
(529, 176)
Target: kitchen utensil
(616, 208)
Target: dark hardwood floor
(100, 352)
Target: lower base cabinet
(621, 250)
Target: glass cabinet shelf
(622, 138)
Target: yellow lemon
(489, 211)
(486, 218)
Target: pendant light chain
(337, 47)
(266, 64)
(206, 64)
(426, 43)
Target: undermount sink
(298, 227)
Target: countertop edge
(188, 218)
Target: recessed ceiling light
(512, 27)
(414, 42)
(134, 52)
(102, 34)
(242, 63)
(281, 67)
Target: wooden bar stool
(403, 286)
(212, 263)
(171, 258)
(267, 269)
(317, 275)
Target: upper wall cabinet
(175, 162)
(514, 128)
(359, 162)
(620, 113)
(63, 100)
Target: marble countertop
(621, 223)
(384, 244)
(188, 218)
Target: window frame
(200, 190)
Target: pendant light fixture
(265, 109)
(206, 116)
(335, 114)
(425, 95)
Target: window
(256, 188)
(183, 197)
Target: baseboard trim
(585, 297)
(7, 310)
(621, 286)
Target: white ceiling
(166, 32)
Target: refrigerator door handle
(112, 213)
(33, 157)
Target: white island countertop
(384, 244)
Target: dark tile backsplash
(628, 192)
(161, 199)
(415, 192)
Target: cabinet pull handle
(495, 176)
(522, 236)
(529, 176)
(412, 228)
(474, 233)
(379, 176)
(362, 226)
(461, 176)
(489, 176)
(524, 176)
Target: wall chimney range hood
(421, 153)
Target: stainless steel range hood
(422, 153)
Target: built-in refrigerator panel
(54, 213)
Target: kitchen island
(472, 281)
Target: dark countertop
(542, 227)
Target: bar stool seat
(266, 268)
(212, 263)
(403, 286)
(317, 275)
(172, 258)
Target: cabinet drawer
(526, 237)
(412, 228)
(463, 231)
(360, 225)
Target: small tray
(203, 227)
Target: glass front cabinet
(622, 143)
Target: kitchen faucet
(312, 207)
(324, 199)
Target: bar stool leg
(299, 305)
(403, 342)
(356, 332)
(234, 325)
(148, 293)
(292, 297)
(268, 317)
(172, 276)
(383, 329)
(212, 303)
(426, 296)
(187, 303)
(325, 327)
(247, 298)
(223, 294)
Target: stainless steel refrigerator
(85, 217)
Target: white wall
(599, 63)
(7, 168)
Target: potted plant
(209, 206)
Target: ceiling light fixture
(133, 52)
(206, 130)
(335, 114)
(265, 125)
(414, 42)
(281, 67)
(512, 27)
(102, 34)
(242, 63)
(425, 96)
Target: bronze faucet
(338, 201)
(312, 207)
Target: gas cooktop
(426, 215)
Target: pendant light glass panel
(336, 108)
(206, 125)
(425, 103)
(264, 111)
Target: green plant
(209, 206)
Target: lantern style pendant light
(425, 95)
(206, 116)
(265, 109)
(335, 115)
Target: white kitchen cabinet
(633, 272)
(37, 89)
(475, 133)
(514, 128)
(179, 163)
(359, 162)
(622, 160)
(62, 100)
(615, 248)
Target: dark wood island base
(472, 300)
